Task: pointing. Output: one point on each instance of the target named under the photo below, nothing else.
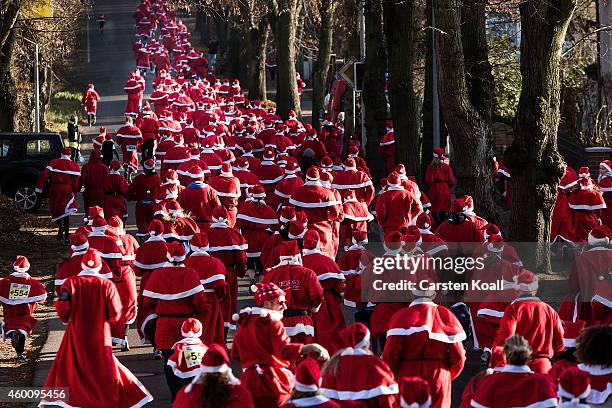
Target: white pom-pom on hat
(235, 317)
(253, 288)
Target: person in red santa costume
(373, 387)
(604, 181)
(396, 207)
(229, 246)
(304, 294)
(194, 160)
(515, 385)
(352, 179)
(144, 189)
(322, 208)
(175, 293)
(90, 102)
(430, 242)
(265, 351)
(90, 304)
(256, 221)
(115, 192)
(269, 251)
(199, 198)
(212, 276)
(567, 359)
(268, 172)
(215, 385)
(593, 353)
(424, 340)
(72, 266)
(129, 138)
(440, 178)
(535, 320)
(590, 267)
(287, 186)
(247, 178)
(574, 389)
(64, 175)
(175, 155)
(148, 124)
(329, 320)
(93, 177)
(151, 255)
(228, 190)
(356, 217)
(352, 262)
(134, 89)
(98, 140)
(457, 228)
(19, 294)
(187, 352)
(561, 226)
(306, 392)
(586, 203)
(386, 147)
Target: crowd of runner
(228, 190)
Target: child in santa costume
(593, 353)
(212, 276)
(215, 385)
(175, 293)
(587, 203)
(374, 386)
(329, 320)
(187, 353)
(304, 294)
(424, 340)
(19, 294)
(440, 178)
(264, 350)
(90, 304)
(306, 392)
(535, 320)
(515, 385)
(64, 176)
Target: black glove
(64, 295)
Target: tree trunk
(427, 110)
(286, 86)
(470, 131)
(321, 66)
(7, 90)
(374, 86)
(258, 41)
(533, 159)
(400, 26)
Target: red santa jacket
(241, 397)
(284, 190)
(356, 180)
(186, 357)
(148, 126)
(601, 382)
(110, 248)
(515, 386)
(269, 175)
(396, 208)
(256, 221)
(174, 157)
(199, 199)
(227, 188)
(19, 293)
(72, 267)
(128, 135)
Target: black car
(23, 157)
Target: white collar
(356, 247)
(422, 301)
(219, 224)
(155, 238)
(527, 298)
(515, 369)
(309, 401)
(311, 251)
(349, 351)
(20, 274)
(262, 311)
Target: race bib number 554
(193, 355)
(19, 291)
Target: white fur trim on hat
(365, 341)
(532, 287)
(305, 387)
(597, 241)
(223, 368)
(404, 404)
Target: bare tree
(321, 68)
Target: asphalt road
(111, 60)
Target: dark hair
(300, 394)
(215, 390)
(517, 350)
(593, 346)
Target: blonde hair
(517, 350)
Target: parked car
(23, 157)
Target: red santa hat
(574, 385)
(393, 179)
(571, 331)
(194, 152)
(312, 174)
(300, 216)
(600, 236)
(289, 252)
(411, 238)
(490, 229)
(326, 178)
(91, 261)
(438, 152)
(220, 214)
(393, 241)
(241, 163)
(349, 164)
(527, 281)
(21, 264)
(78, 242)
(308, 376)
(149, 164)
(424, 223)
(356, 335)
(102, 131)
(359, 237)
(296, 230)
(173, 207)
(191, 328)
(326, 163)
(353, 151)
(311, 239)
(606, 164)
(400, 169)
(98, 224)
(108, 136)
(457, 206)
(495, 243)
(257, 191)
(291, 167)
(176, 251)
(95, 211)
(199, 242)
(349, 196)
(116, 222)
(569, 179)
(196, 173)
(146, 110)
(215, 360)
(414, 393)
(268, 154)
(584, 172)
(266, 291)
(156, 228)
(66, 151)
(287, 214)
(468, 202)
(115, 165)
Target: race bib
(193, 355)
(131, 148)
(19, 291)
